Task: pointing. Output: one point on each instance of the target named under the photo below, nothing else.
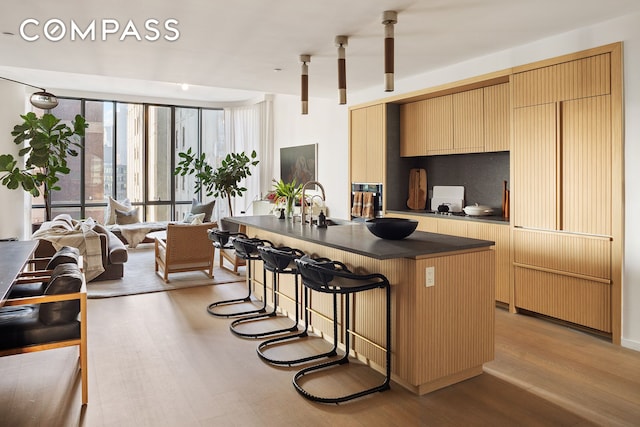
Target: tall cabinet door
(534, 152)
(586, 165)
(367, 144)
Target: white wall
(13, 215)
(624, 29)
(327, 125)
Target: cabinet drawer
(572, 299)
(588, 256)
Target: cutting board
(417, 189)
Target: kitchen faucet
(303, 203)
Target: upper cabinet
(471, 121)
(468, 121)
(590, 76)
(497, 117)
(367, 143)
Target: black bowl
(391, 228)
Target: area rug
(140, 277)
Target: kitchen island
(442, 327)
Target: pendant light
(304, 80)
(43, 99)
(341, 43)
(389, 18)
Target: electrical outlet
(430, 276)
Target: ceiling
(230, 50)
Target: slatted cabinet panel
(413, 129)
(576, 79)
(499, 233)
(497, 116)
(367, 144)
(586, 165)
(440, 125)
(468, 121)
(375, 143)
(534, 155)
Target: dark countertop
(354, 237)
(493, 219)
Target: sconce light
(42, 99)
(304, 80)
(389, 18)
(341, 43)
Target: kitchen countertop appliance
(447, 199)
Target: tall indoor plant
(223, 181)
(48, 142)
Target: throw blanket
(82, 236)
(136, 233)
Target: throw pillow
(112, 205)
(127, 217)
(189, 218)
(206, 209)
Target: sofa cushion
(127, 217)
(206, 209)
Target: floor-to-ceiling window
(130, 151)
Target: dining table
(13, 257)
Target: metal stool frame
(225, 240)
(276, 260)
(303, 333)
(320, 276)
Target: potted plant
(49, 142)
(222, 181)
(287, 193)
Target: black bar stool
(225, 240)
(278, 261)
(287, 265)
(333, 277)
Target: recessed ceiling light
(184, 86)
(277, 70)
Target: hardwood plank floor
(161, 360)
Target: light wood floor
(161, 360)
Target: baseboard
(631, 344)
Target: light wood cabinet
(566, 276)
(563, 153)
(468, 121)
(562, 166)
(367, 144)
(497, 118)
(580, 78)
(498, 233)
(471, 121)
(413, 129)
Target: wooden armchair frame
(186, 248)
(80, 342)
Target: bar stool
(278, 260)
(333, 277)
(226, 240)
(285, 263)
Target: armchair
(186, 248)
(57, 318)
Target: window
(123, 158)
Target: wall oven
(366, 200)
